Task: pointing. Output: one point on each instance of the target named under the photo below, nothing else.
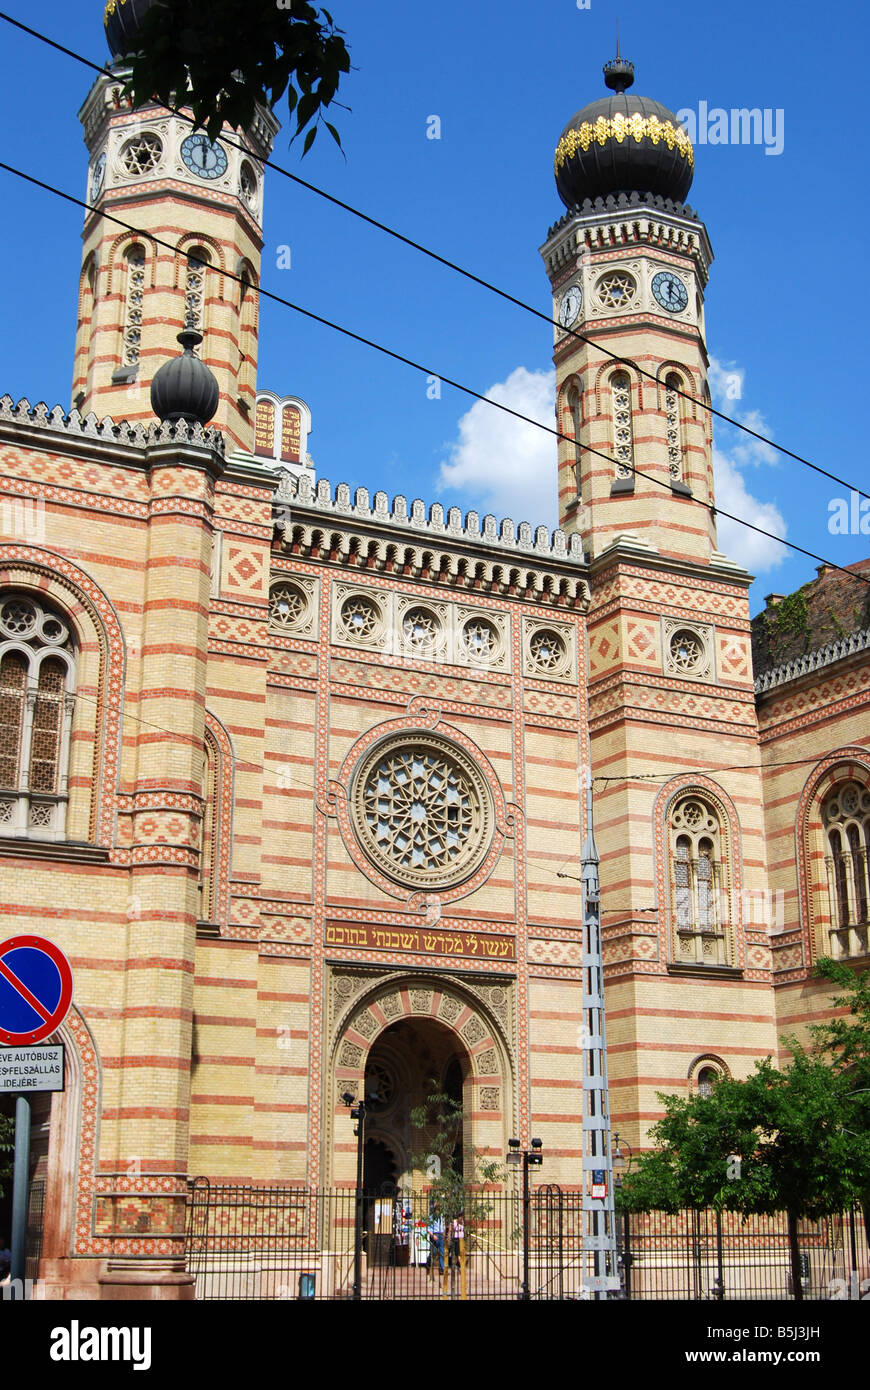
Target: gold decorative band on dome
(111, 7)
(622, 128)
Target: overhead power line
(462, 270)
(420, 367)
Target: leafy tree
(440, 1121)
(7, 1149)
(846, 1040)
(845, 1043)
(778, 1141)
(229, 55)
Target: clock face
(670, 291)
(206, 160)
(98, 174)
(570, 306)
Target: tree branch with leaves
(225, 58)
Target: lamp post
(527, 1157)
(618, 1162)
(357, 1112)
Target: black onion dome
(623, 144)
(185, 388)
(121, 20)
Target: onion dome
(623, 144)
(121, 20)
(185, 388)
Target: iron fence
(268, 1242)
(705, 1255)
(246, 1242)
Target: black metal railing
(271, 1242)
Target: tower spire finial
(619, 72)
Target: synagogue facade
(296, 777)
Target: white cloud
(725, 380)
(508, 466)
(755, 552)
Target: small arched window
(846, 818)
(623, 433)
(208, 856)
(194, 288)
(576, 413)
(705, 1073)
(674, 419)
(699, 882)
(37, 684)
(248, 304)
(707, 1078)
(134, 261)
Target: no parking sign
(35, 989)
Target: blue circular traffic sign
(35, 989)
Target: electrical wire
(460, 270)
(427, 371)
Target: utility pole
(599, 1224)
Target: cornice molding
(38, 427)
(813, 661)
(405, 540)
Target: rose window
(694, 816)
(481, 640)
(422, 812)
(141, 155)
(360, 618)
(287, 605)
(617, 290)
(548, 650)
(18, 617)
(687, 650)
(380, 1087)
(421, 629)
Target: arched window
(248, 303)
(674, 418)
(699, 889)
(37, 684)
(134, 259)
(846, 819)
(707, 1079)
(705, 1073)
(575, 411)
(623, 434)
(194, 288)
(208, 857)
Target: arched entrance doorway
(395, 1035)
(411, 1062)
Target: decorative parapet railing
(437, 526)
(87, 427)
(437, 544)
(814, 661)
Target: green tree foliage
(7, 1149)
(229, 55)
(778, 1141)
(440, 1123)
(844, 1043)
(796, 1140)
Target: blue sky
(786, 305)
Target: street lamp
(517, 1154)
(619, 1163)
(357, 1112)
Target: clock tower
(188, 254)
(628, 264)
(672, 726)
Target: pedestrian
(436, 1236)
